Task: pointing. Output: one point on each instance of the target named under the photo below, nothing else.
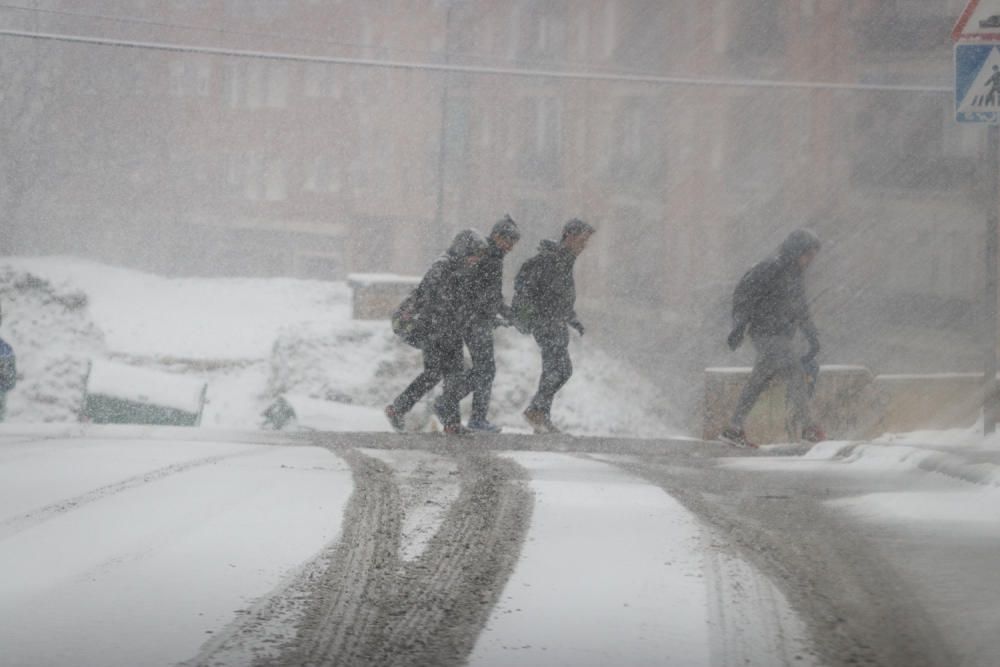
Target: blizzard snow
(134, 545)
(118, 552)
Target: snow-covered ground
(145, 545)
(253, 340)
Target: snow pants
(776, 359)
(557, 368)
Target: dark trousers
(776, 359)
(441, 359)
(553, 340)
(479, 340)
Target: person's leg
(3, 405)
(457, 384)
(557, 368)
(765, 367)
(479, 340)
(423, 383)
(796, 396)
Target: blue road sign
(977, 83)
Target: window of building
(636, 152)
(756, 30)
(258, 10)
(321, 80)
(610, 37)
(277, 86)
(911, 141)
(322, 175)
(190, 77)
(541, 124)
(256, 84)
(275, 185)
(753, 144)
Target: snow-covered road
(166, 546)
(126, 550)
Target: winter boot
(484, 426)
(448, 427)
(736, 437)
(395, 419)
(456, 429)
(539, 422)
(813, 434)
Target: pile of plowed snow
(253, 340)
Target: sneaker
(456, 429)
(539, 422)
(813, 434)
(736, 437)
(483, 426)
(395, 419)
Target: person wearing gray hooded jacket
(769, 304)
(445, 304)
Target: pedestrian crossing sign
(977, 83)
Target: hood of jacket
(466, 243)
(797, 244)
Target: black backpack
(408, 320)
(522, 306)
(8, 367)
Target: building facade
(316, 138)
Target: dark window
(910, 141)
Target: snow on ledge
(140, 385)
(365, 279)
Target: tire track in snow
(373, 608)
(14, 525)
(857, 609)
(449, 592)
(341, 620)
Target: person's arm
(812, 336)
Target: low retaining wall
(376, 295)
(849, 403)
(943, 400)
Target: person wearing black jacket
(545, 306)
(446, 304)
(770, 305)
(489, 312)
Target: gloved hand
(736, 336)
(811, 354)
(576, 324)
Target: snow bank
(254, 340)
(140, 385)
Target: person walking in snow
(769, 304)
(544, 305)
(8, 373)
(489, 312)
(443, 308)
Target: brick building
(192, 161)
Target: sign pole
(990, 402)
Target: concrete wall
(375, 296)
(849, 403)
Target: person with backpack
(8, 373)
(544, 306)
(489, 312)
(433, 317)
(770, 306)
